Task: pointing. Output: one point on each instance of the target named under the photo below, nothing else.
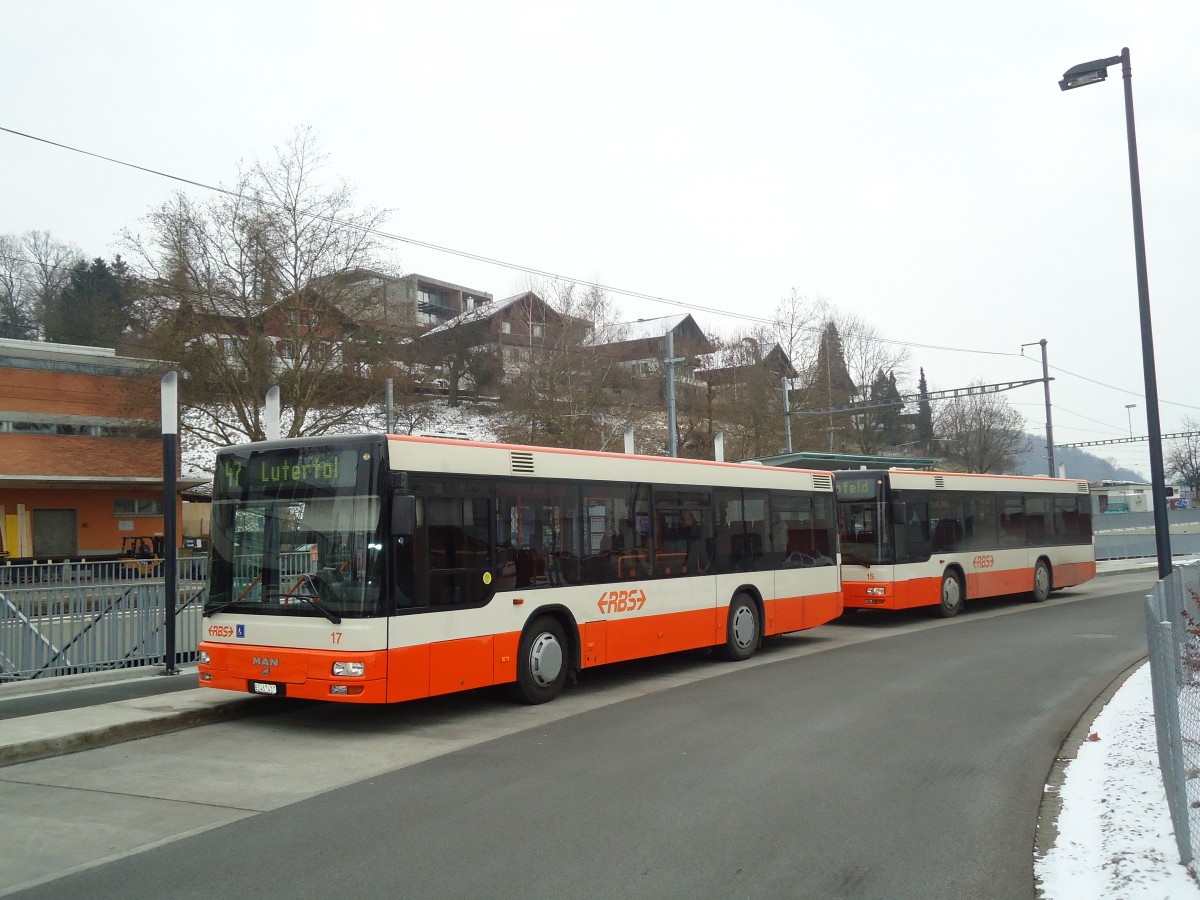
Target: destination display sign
(853, 488)
(271, 470)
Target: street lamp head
(1087, 73)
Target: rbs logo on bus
(984, 561)
(621, 601)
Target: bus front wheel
(742, 632)
(1042, 582)
(542, 662)
(952, 595)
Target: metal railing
(1173, 636)
(66, 618)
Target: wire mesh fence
(1173, 637)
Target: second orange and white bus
(917, 538)
(379, 568)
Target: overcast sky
(913, 163)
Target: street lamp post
(1090, 73)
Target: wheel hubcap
(1041, 582)
(950, 593)
(545, 659)
(743, 627)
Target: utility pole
(1046, 386)
(671, 360)
(787, 414)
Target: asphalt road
(885, 756)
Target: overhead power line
(476, 257)
(950, 394)
(1178, 435)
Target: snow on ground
(1115, 838)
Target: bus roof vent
(1083, 487)
(823, 482)
(521, 462)
(939, 481)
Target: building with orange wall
(81, 460)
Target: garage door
(55, 533)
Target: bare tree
(870, 358)
(745, 395)
(253, 288)
(980, 433)
(34, 269)
(568, 391)
(1182, 459)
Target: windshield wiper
(207, 610)
(313, 599)
(315, 603)
(855, 558)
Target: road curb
(217, 709)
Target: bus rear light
(348, 669)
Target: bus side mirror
(404, 514)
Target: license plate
(265, 687)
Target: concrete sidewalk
(55, 716)
(81, 712)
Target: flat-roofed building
(81, 463)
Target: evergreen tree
(891, 422)
(924, 417)
(93, 308)
(830, 383)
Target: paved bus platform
(40, 718)
(51, 717)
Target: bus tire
(543, 659)
(1043, 583)
(951, 601)
(743, 631)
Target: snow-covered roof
(480, 313)
(651, 328)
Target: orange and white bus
(912, 538)
(378, 568)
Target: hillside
(1079, 463)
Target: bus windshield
(863, 526)
(307, 543)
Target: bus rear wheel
(1042, 582)
(952, 595)
(742, 631)
(543, 658)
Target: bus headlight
(348, 669)
(877, 591)
(203, 658)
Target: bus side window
(403, 539)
